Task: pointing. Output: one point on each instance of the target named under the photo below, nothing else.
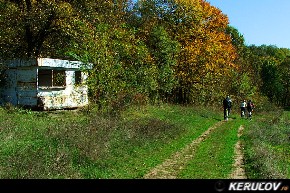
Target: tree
(50, 28)
(271, 86)
(164, 51)
(284, 71)
(242, 85)
(269, 71)
(207, 54)
(33, 28)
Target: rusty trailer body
(45, 83)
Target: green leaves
(164, 51)
(184, 50)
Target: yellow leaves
(64, 9)
(206, 48)
(190, 4)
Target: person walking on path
(250, 107)
(227, 104)
(243, 106)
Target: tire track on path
(238, 171)
(170, 168)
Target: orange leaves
(206, 48)
(207, 55)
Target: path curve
(170, 168)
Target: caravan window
(45, 78)
(51, 78)
(58, 78)
(78, 77)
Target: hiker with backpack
(250, 107)
(243, 106)
(227, 104)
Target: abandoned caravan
(44, 83)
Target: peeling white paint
(22, 88)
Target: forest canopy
(177, 51)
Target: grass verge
(70, 144)
(267, 147)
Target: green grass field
(81, 144)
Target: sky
(259, 21)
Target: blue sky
(259, 21)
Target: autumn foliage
(180, 51)
(207, 55)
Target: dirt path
(238, 171)
(170, 168)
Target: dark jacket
(227, 103)
(250, 106)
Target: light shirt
(243, 104)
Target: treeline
(147, 51)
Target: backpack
(227, 103)
(250, 105)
